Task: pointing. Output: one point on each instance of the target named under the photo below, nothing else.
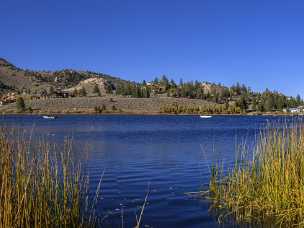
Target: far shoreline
(162, 106)
(140, 114)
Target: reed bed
(267, 189)
(42, 186)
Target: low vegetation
(101, 109)
(201, 109)
(20, 105)
(268, 188)
(41, 186)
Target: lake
(169, 155)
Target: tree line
(242, 96)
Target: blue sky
(258, 42)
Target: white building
(294, 110)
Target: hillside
(86, 91)
(14, 79)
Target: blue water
(170, 155)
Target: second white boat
(49, 117)
(205, 117)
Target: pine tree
(299, 100)
(269, 103)
(96, 90)
(20, 105)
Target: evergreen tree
(261, 107)
(254, 104)
(269, 103)
(173, 84)
(148, 92)
(156, 80)
(96, 90)
(164, 82)
(20, 104)
(299, 100)
(242, 103)
(181, 82)
(109, 87)
(280, 103)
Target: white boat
(49, 117)
(205, 117)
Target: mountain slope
(48, 85)
(35, 82)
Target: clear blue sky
(256, 42)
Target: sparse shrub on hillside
(99, 109)
(109, 87)
(114, 108)
(96, 90)
(103, 107)
(82, 92)
(20, 104)
(75, 93)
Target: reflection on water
(171, 154)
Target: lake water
(170, 155)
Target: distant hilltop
(68, 83)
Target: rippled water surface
(170, 155)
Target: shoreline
(123, 106)
(139, 114)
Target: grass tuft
(40, 185)
(269, 188)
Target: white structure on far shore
(294, 110)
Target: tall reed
(269, 188)
(40, 185)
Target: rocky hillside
(71, 84)
(14, 79)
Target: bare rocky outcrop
(89, 84)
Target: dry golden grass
(41, 186)
(267, 189)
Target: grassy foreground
(41, 187)
(269, 188)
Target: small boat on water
(205, 117)
(49, 117)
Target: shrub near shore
(203, 109)
(270, 187)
